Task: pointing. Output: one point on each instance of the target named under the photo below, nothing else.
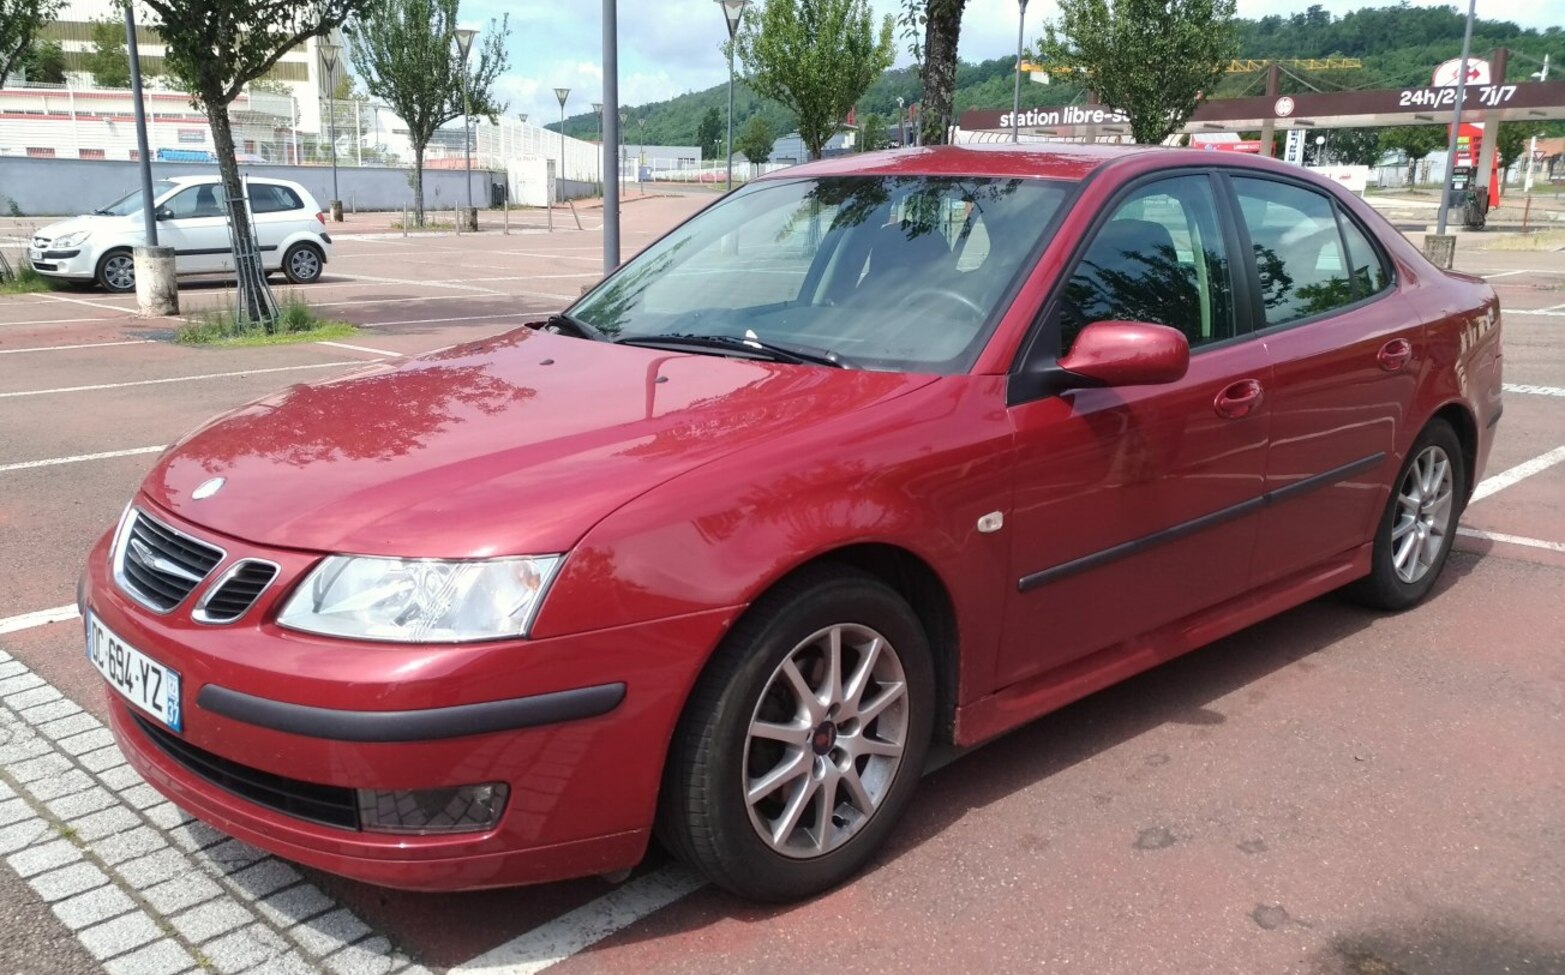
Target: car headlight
(420, 600)
(70, 240)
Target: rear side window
(1160, 258)
(265, 198)
(1298, 249)
(1367, 267)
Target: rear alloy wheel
(804, 739)
(117, 272)
(303, 264)
(1416, 531)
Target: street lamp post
(623, 118)
(641, 153)
(329, 55)
(559, 181)
(901, 126)
(1016, 94)
(597, 108)
(733, 12)
(464, 45)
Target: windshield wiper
(562, 322)
(754, 347)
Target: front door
(1345, 346)
(193, 223)
(1136, 506)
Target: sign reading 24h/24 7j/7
(1488, 96)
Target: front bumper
(69, 262)
(577, 726)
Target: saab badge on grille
(207, 488)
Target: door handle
(1238, 399)
(1395, 354)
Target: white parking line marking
(185, 379)
(90, 304)
(1511, 539)
(53, 321)
(361, 348)
(1534, 390)
(549, 944)
(85, 345)
(416, 283)
(1503, 274)
(77, 458)
(1545, 312)
(42, 617)
(1525, 469)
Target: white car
(192, 219)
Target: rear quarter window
(266, 198)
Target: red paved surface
(1331, 791)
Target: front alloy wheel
(826, 740)
(804, 738)
(117, 272)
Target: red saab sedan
(873, 453)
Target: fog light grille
(464, 809)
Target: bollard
(336, 211)
(505, 227)
(406, 216)
(456, 220)
(157, 289)
(1440, 249)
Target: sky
(668, 47)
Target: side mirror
(1127, 354)
(163, 213)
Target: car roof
(205, 178)
(1072, 161)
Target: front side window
(1298, 249)
(1160, 258)
(197, 201)
(905, 273)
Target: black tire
(304, 263)
(1384, 588)
(705, 820)
(113, 269)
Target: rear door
(1344, 346)
(278, 212)
(1137, 506)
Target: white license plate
(148, 685)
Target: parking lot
(1332, 791)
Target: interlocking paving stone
(195, 835)
(119, 935)
(69, 725)
(21, 835)
(80, 803)
(329, 932)
(14, 686)
(46, 856)
(167, 816)
(93, 907)
(159, 958)
(141, 796)
(207, 921)
(288, 907)
(19, 748)
(56, 885)
(266, 877)
(372, 957)
(180, 892)
(102, 759)
(230, 856)
(154, 868)
(41, 694)
(128, 845)
(105, 822)
(87, 741)
(10, 668)
(43, 713)
(121, 777)
(14, 811)
(67, 783)
(243, 949)
(41, 767)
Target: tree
(1512, 143)
(873, 134)
(756, 140)
(942, 28)
(214, 48)
(709, 135)
(20, 22)
(816, 57)
(108, 61)
(1414, 142)
(45, 63)
(1151, 59)
(404, 52)
(1354, 147)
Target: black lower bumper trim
(431, 724)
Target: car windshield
(905, 273)
(130, 203)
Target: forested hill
(1399, 45)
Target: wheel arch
(1461, 419)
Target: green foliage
(755, 141)
(20, 22)
(296, 322)
(45, 63)
(24, 280)
(1354, 147)
(817, 57)
(709, 134)
(1513, 138)
(1414, 142)
(108, 61)
(1149, 58)
(405, 54)
(872, 134)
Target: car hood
(89, 222)
(516, 445)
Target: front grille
(232, 595)
(328, 805)
(159, 565)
